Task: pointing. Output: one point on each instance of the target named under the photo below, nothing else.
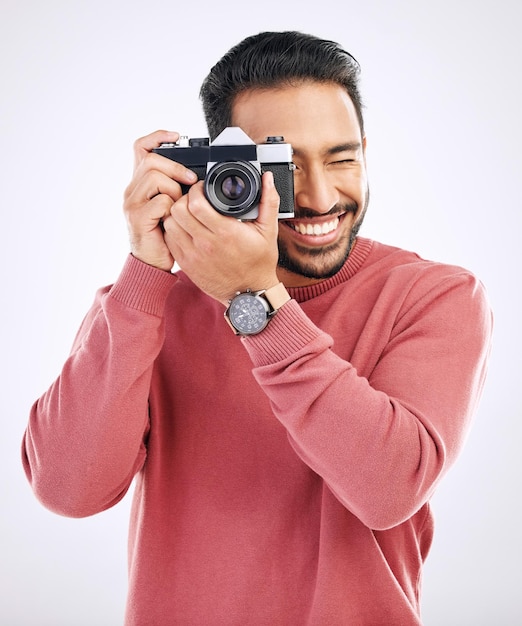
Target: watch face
(248, 314)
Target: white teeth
(315, 229)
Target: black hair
(272, 59)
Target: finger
(149, 202)
(269, 203)
(144, 145)
(155, 175)
(152, 184)
(153, 212)
(194, 214)
(178, 240)
(144, 225)
(145, 232)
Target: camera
(231, 167)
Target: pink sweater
(282, 479)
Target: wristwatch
(250, 311)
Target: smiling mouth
(314, 228)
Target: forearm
(381, 440)
(85, 438)
(376, 456)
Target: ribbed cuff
(288, 332)
(143, 287)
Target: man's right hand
(155, 186)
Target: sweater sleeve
(382, 440)
(85, 437)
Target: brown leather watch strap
(276, 296)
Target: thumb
(269, 203)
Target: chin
(317, 264)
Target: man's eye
(343, 162)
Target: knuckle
(137, 144)
(149, 161)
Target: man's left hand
(221, 254)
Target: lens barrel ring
(233, 187)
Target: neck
(289, 279)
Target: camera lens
(233, 187)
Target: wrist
(277, 296)
(249, 312)
(143, 287)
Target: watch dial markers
(248, 314)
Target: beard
(325, 262)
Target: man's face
(331, 189)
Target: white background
(81, 80)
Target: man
(283, 476)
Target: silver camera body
(231, 167)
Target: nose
(314, 191)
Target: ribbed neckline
(360, 251)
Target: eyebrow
(350, 146)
